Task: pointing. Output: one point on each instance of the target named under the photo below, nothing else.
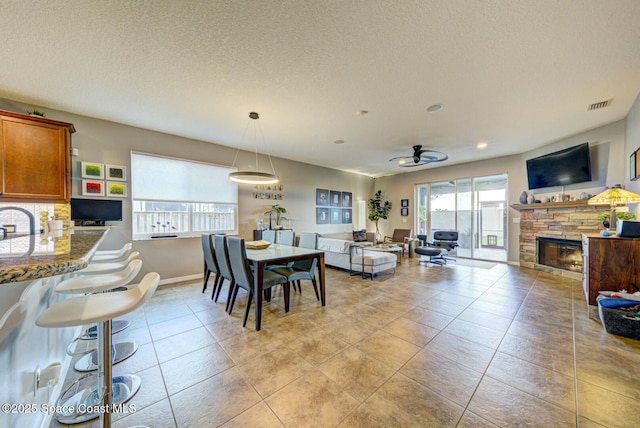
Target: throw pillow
(360, 235)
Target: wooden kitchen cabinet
(609, 264)
(36, 159)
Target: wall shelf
(552, 205)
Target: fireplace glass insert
(560, 253)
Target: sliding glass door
(475, 207)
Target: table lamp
(613, 196)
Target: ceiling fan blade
(411, 165)
(419, 158)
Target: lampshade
(614, 196)
(254, 177)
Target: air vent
(599, 105)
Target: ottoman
(365, 262)
(430, 252)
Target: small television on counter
(95, 212)
(561, 168)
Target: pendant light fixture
(254, 177)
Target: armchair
(447, 242)
(399, 238)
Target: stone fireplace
(563, 254)
(562, 221)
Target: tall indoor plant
(378, 210)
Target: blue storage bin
(617, 321)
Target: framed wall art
(322, 215)
(336, 216)
(347, 216)
(336, 198)
(404, 211)
(117, 189)
(347, 199)
(634, 165)
(322, 197)
(116, 173)
(92, 188)
(404, 202)
(92, 170)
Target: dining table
(277, 254)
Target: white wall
(632, 143)
(111, 143)
(608, 161)
(401, 186)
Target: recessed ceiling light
(362, 112)
(482, 146)
(435, 107)
(338, 142)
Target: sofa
(339, 252)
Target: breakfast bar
(30, 266)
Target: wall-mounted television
(561, 168)
(90, 212)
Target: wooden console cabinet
(610, 264)
(36, 159)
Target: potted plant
(378, 210)
(604, 217)
(36, 112)
(276, 211)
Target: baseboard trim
(181, 279)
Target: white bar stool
(102, 269)
(100, 308)
(98, 284)
(112, 255)
(110, 267)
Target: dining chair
(286, 237)
(244, 276)
(211, 265)
(302, 270)
(269, 235)
(224, 268)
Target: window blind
(162, 178)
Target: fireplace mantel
(554, 205)
(562, 220)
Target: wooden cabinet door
(35, 161)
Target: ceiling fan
(420, 157)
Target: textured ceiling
(516, 74)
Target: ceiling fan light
(419, 157)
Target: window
(181, 198)
(474, 206)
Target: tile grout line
(484, 374)
(575, 354)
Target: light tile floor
(458, 345)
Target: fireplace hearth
(558, 253)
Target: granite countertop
(38, 256)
